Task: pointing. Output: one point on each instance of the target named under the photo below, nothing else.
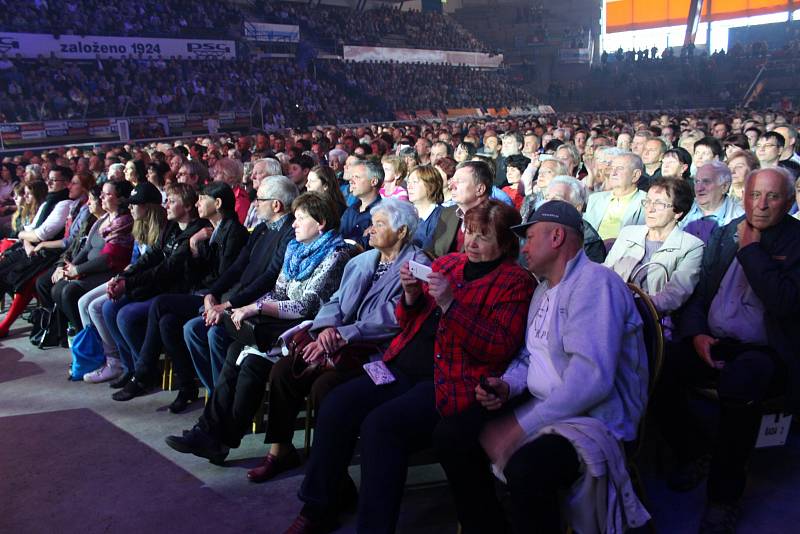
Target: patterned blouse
(299, 299)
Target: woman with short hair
(426, 194)
(659, 256)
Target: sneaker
(719, 518)
(111, 370)
(196, 441)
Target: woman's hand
(240, 314)
(439, 288)
(70, 271)
(58, 274)
(116, 288)
(314, 353)
(412, 288)
(330, 340)
(493, 401)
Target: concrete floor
(73, 460)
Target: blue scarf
(302, 259)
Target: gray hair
(35, 169)
(610, 151)
(635, 162)
(273, 166)
(573, 152)
(339, 154)
(400, 214)
(785, 174)
(560, 167)
(114, 167)
(720, 171)
(280, 188)
(577, 191)
(374, 171)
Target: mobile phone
(420, 271)
(486, 387)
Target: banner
(91, 47)
(271, 33)
(412, 55)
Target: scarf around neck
(302, 259)
(50, 202)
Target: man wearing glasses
(621, 204)
(769, 148)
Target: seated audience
(741, 163)
(323, 180)
(360, 312)
(251, 275)
(739, 332)
(463, 324)
(676, 163)
(312, 269)
(563, 394)
(571, 190)
(712, 205)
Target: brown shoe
(272, 466)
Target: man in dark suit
(470, 186)
(252, 274)
(739, 332)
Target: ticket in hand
(420, 271)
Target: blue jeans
(208, 348)
(126, 320)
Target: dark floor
(73, 460)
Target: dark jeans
(536, 474)
(165, 320)
(287, 397)
(237, 393)
(751, 375)
(207, 347)
(66, 293)
(393, 420)
(126, 321)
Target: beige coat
(681, 255)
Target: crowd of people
(285, 93)
(431, 286)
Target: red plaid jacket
(480, 333)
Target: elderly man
(639, 140)
(535, 191)
(439, 150)
(567, 389)
(263, 168)
(252, 274)
(712, 206)
(739, 330)
(621, 203)
(366, 179)
(470, 185)
(231, 172)
(571, 190)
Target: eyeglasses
(264, 199)
(659, 205)
(766, 145)
(54, 180)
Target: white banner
(91, 47)
(272, 33)
(413, 55)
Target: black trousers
(287, 396)
(66, 293)
(237, 393)
(165, 319)
(751, 375)
(536, 473)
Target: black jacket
(257, 267)
(216, 255)
(162, 269)
(772, 267)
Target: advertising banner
(92, 46)
(271, 33)
(413, 55)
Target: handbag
(350, 357)
(47, 327)
(87, 353)
(259, 331)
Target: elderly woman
(425, 193)
(658, 255)
(740, 163)
(712, 206)
(465, 322)
(361, 311)
(312, 269)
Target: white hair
(720, 171)
(577, 191)
(400, 214)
